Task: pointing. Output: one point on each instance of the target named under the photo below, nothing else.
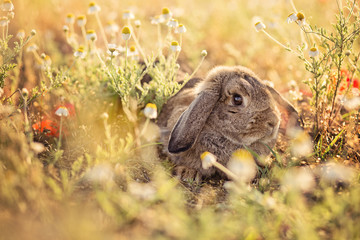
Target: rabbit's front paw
(185, 174)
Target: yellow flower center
(243, 155)
(92, 4)
(300, 16)
(203, 155)
(90, 31)
(150, 105)
(126, 11)
(81, 17)
(70, 15)
(174, 43)
(165, 11)
(181, 25)
(313, 49)
(126, 30)
(132, 49)
(7, 1)
(81, 49)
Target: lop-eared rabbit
(229, 109)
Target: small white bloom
(314, 52)
(142, 191)
(32, 47)
(180, 29)
(204, 53)
(93, 8)
(175, 47)
(20, 34)
(291, 18)
(91, 35)
(298, 179)
(104, 116)
(165, 15)
(207, 159)
(128, 15)
(243, 165)
(301, 143)
(7, 6)
(111, 27)
(150, 111)
(62, 112)
(300, 19)
(80, 52)
(132, 52)
(137, 23)
(100, 174)
(4, 21)
(352, 103)
(24, 92)
(81, 20)
(33, 32)
(259, 26)
(70, 19)
(37, 147)
(156, 20)
(112, 50)
(335, 172)
(126, 33)
(173, 23)
(66, 28)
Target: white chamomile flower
(207, 159)
(111, 27)
(62, 112)
(4, 21)
(91, 35)
(112, 50)
(80, 53)
(20, 34)
(165, 14)
(300, 19)
(128, 15)
(173, 23)
(7, 6)
(93, 8)
(314, 52)
(150, 111)
(66, 28)
(291, 18)
(126, 33)
(137, 23)
(132, 52)
(259, 26)
(242, 164)
(81, 20)
(175, 47)
(32, 47)
(70, 18)
(180, 29)
(157, 20)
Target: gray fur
(203, 117)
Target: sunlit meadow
(82, 84)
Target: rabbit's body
(228, 110)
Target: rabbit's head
(235, 104)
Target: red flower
(345, 85)
(48, 127)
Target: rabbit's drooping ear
(191, 122)
(294, 119)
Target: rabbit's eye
(237, 99)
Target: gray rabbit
(229, 109)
